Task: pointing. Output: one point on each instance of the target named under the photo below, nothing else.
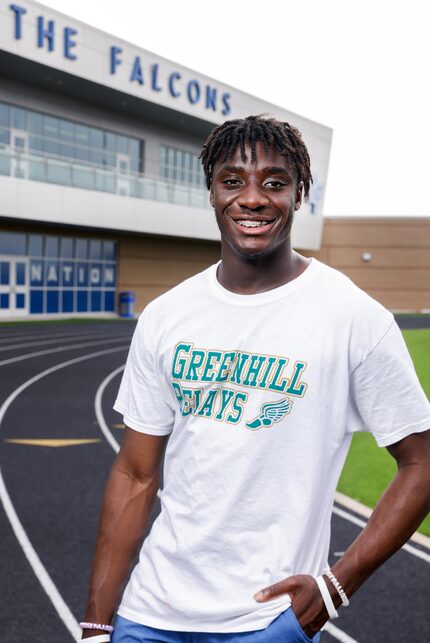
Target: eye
(275, 184)
(231, 181)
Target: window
(179, 165)
(12, 243)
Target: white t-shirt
(261, 394)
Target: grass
(369, 469)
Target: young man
(260, 369)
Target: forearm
(125, 512)
(397, 515)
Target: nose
(251, 197)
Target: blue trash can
(126, 304)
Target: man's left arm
(399, 512)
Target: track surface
(54, 494)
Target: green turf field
(368, 468)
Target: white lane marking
(99, 411)
(57, 341)
(362, 523)
(41, 574)
(4, 338)
(338, 634)
(362, 510)
(59, 349)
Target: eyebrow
(267, 170)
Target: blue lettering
(174, 76)
(227, 108)
(211, 98)
(154, 78)
(47, 33)
(136, 72)
(114, 60)
(19, 12)
(69, 43)
(193, 91)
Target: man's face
(254, 203)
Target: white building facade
(99, 142)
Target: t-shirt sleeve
(387, 393)
(142, 398)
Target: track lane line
(334, 631)
(57, 341)
(59, 349)
(30, 553)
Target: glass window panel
(36, 144)
(110, 141)
(67, 301)
(36, 301)
(82, 275)
(96, 275)
(52, 301)
(67, 244)
(96, 138)
(95, 249)
(52, 277)
(4, 273)
(4, 300)
(109, 275)
(4, 124)
(20, 273)
(109, 250)
(12, 243)
(96, 157)
(96, 301)
(51, 246)
(122, 144)
(67, 151)
(134, 148)
(59, 172)
(81, 249)
(4, 162)
(50, 126)
(109, 297)
(67, 274)
(36, 272)
(20, 300)
(67, 131)
(4, 115)
(35, 123)
(18, 118)
(36, 245)
(109, 160)
(82, 301)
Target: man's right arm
(130, 493)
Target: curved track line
(57, 341)
(99, 411)
(41, 574)
(59, 349)
(328, 627)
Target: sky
(359, 67)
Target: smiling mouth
(253, 223)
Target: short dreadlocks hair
(223, 141)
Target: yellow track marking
(52, 443)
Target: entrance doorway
(13, 286)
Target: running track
(58, 382)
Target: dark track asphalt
(56, 493)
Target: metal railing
(68, 172)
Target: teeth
(253, 224)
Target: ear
(299, 196)
(211, 199)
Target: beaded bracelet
(96, 626)
(332, 578)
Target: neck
(252, 275)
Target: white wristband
(99, 638)
(328, 601)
